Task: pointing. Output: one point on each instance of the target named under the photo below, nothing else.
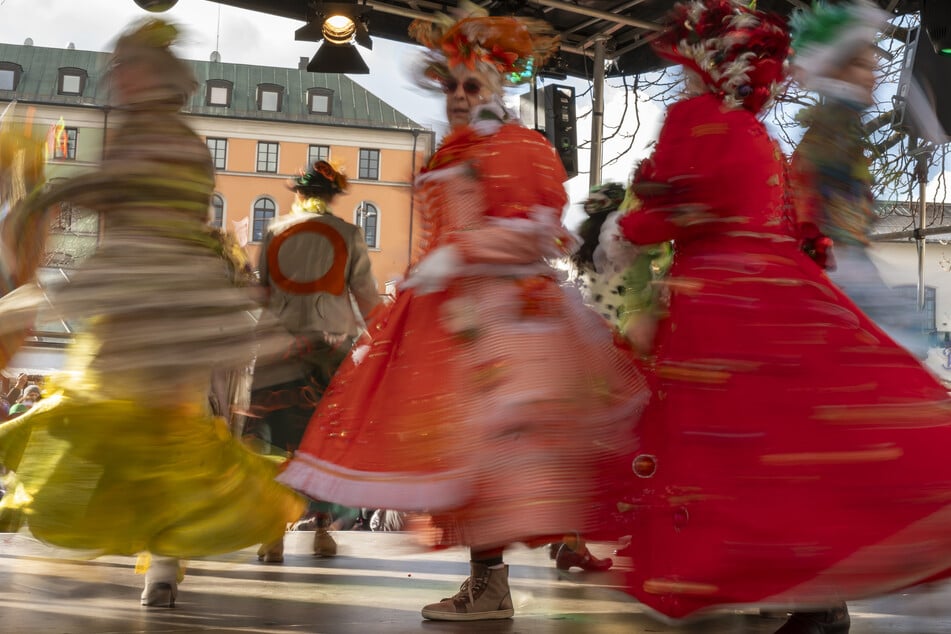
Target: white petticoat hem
(398, 491)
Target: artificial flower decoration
(738, 53)
(321, 177)
(508, 45)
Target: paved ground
(377, 584)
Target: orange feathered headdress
(512, 46)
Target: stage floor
(377, 583)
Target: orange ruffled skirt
(491, 406)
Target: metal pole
(921, 245)
(910, 233)
(597, 114)
(921, 171)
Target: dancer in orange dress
(793, 455)
(486, 395)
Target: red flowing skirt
(792, 455)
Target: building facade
(903, 267)
(263, 125)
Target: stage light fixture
(338, 58)
(339, 25)
(156, 6)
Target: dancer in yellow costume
(123, 456)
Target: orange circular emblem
(333, 281)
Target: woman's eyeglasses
(469, 86)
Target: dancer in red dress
(793, 455)
(486, 395)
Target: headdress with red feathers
(737, 52)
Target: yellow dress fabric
(120, 477)
(123, 456)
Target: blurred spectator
(31, 394)
(14, 394)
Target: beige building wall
(240, 185)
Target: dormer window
(319, 100)
(270, 97)
(10, 74)
(218, 92)
(72, 81)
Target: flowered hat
(604, 197)
(321, 178)
(512, 46)
(737, 52)
(829, 35)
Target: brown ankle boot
(324, 544)
(483, 596)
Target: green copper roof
(352, 104)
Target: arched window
(217, 214)
(264, 211)
(367, 217)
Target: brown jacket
(313, 264)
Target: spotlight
(339, 29)
(156, 6)
(936, 18)
(339, 25)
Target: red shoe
(567, 558)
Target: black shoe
(834, 621)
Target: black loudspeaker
(936, 18)
(560, 126)
(926, 86)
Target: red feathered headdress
(738, 53)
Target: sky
(247, 37)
